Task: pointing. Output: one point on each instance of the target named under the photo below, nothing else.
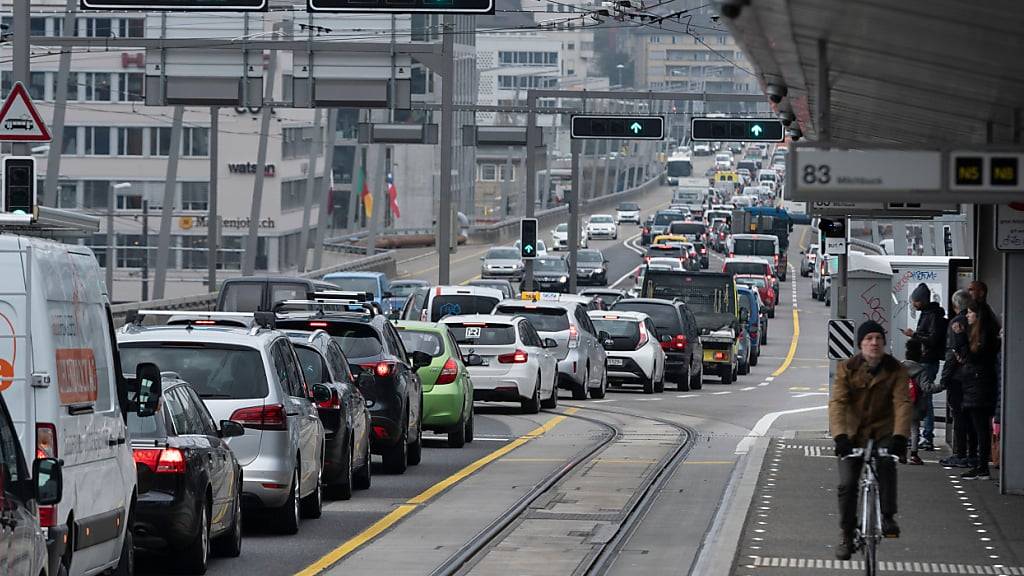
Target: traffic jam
(164, 433)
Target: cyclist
(869, 401)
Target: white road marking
(721, 393)
(748, 388)
(762, 426)
(686, 396)
(769, 378)
(806, 394)
(601, 401)
(763, 384)
(629, 274)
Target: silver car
(581, 358)
(251, 376)
(502, 262)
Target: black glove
(898, 447)
(843, 446)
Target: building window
(128, 198)
(570, 46)
(193, 252)
(130, 250)
(37, 26)
(95, 27)
(67, 194)
(296, 142)
(97, 86)
(131, 28)
(195, 196)
(504, 175)
(195, 141)
(69, 144)
(293, 193)
(159, 141)
(96, 194)
(37, 85)
(129, 141)
(129, 87)
(488, 173)
(97, 141)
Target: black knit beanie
(921, 294)
(869, 327)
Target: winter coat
(931, 332)
(870, 404)
(977, 372)
(950, 381)
(925, 382)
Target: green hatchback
(447, 389)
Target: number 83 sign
(829, 174)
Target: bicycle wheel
(872, 535)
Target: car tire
(727, 375)
(288, 514)
(764, 335)
(470, 425)
(743, 368)
(649, 383)
(126, 562)
(396, 459)
(697, 382)
(683, 383)
(313, 505)
(551, 402)
(579, 392)
(659, 386)
(229, 545)
(457, 434)
(771, 313)
(753, 358)
(195, 558)
(532, 405)
(342, 489)
(415, 451)
(598, 393)
(363, 476)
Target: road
(438, 506)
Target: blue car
(373, 283)
(400, 291)
(749, 302)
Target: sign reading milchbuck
(824, 174)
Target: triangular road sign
(19, 120)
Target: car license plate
(615, 361)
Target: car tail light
(720, 356)
(46, 440)
(380, 432)
(732, 254)
(721, 235)
(643, 336)
(703, 250)
(318, 324)
(448, 372)
(204, 322)
(677, 343)
(47, 516)
(268, 417)
(776, 258)
(517, 357)
(161, 460)
(574, 337)
(381, 369)
(334, 403)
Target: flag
(364, 193)
(393, 196)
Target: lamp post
(619, 67)
(111, 248)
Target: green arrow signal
(756, 129)
(528, 249)
(635, 127)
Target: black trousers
(849, 479)
(980, 419)
(965, 442)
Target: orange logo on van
(7, 366)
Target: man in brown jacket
(870, 400)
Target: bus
(678, 167)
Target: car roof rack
(343, 295)
(191, 319)
(321, 308)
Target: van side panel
(15, 354)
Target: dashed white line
(686, 396)
(721, 393)
(748, 388)
(769, 378)
(763, 384)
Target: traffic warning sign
(19, 120)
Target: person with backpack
(920, 386)
(931, 333)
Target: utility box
(942, 274)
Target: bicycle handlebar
(881, 453)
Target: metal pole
(377, 153)
(574, 213)
(145, 249)
(825, 135)
(328, 181)
(533, 134)
(444, 215)
(358, 176)
(596, 159)
(21, 23)
(252, 244)
(315, 146)
(49, 193)
(211, 218)
(163, 250)
(506, 183)
(111, 241)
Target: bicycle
(869, 533)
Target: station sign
(839, 174)
(882, 209)
(986, 171)
(618, 127)
(835, 246)
(403, 6)
(1010, 227)
(178, 5)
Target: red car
(764, 286)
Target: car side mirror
(321, 393)
(149, 388)
(602, 335)
(420, 359)
(49, 480)
(231, 429)
(550, 343)
(473, 360)
(389, 295)
(666, 338)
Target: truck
(712, 298)
(769, 220)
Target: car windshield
(602, 220)
(589, 256)
(214, 370)
(402, 290)
(420, 341)
(312, 364)
(749, 247)
(666, 218)
(665, 317)
(503, 254)
(563, 227)
(355, 284)
(543, 319)
(550, 265)
(483, 334)
(629, 207)
(460, 304)
(356, 339)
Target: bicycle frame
(869, 534)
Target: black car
(345, 417)
(679, 335)
(261, 293)
(591, 268)
(702, 254)
(189, 482)
(551, 274)
(386, 376)
(645, 230)
(661, 222)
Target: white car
(602, 226)
(507, 360)
(723, 161)
(662, 263)
(560, 237)
(627, 212)
(634, 351)
(542, 249)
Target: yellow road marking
(792, 345)
(354, 543)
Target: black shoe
(976, 474)
(845, 547)
(926, 445)
(890, 529)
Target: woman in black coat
(977, 352)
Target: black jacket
(931, 332)
(950, 380)
(977, 372)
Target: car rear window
(625, 334)
(356, 284)
(459, 305)
(666, 250)
(666, 218)
(687, 228)
(749, 247)
(481, 334)
(417, 341)
(241, 297)
(214, 371)
(282, 292)
(746, 268)
(356, 340)
(665, 316)
(543, 319)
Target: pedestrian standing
(920, 386)
(931, 333)
(963, 431)
(978, 377)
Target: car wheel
(415, 452)
(697, 382)
(126, 562)
(396, 459)
(552, 401)
(754, 357)
(598, 393)
(659, 386)
(288, 513)
(364, 474)
(579, 392)
(683, 383)
(649, 383)
(457, 435)
(771, 313)
(195, 558)
(313, 505)
(743, 368)
(532, 405)
(230, 545)
(469, 428)
(764, 336)
(727, 374)
(342, 489)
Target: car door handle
(291, 412)
(115, 441)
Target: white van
(60, 375)
(769, 178)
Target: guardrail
(381, 262)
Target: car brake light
(720, 356)
(46, 440)
(448, 372)
(381, 369)
(574, 337)
(643, 336)
(47, 516)
(318, 324)
(703, 250)
(776, 259)
(517, 357)
(380, 432)
(204, 322)
(679, 342)
(269, 417)
(732, 254)
(161, 460)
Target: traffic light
(618, 127)
(19, 185)
(528, 238)
(737, 130)
(832, 228)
